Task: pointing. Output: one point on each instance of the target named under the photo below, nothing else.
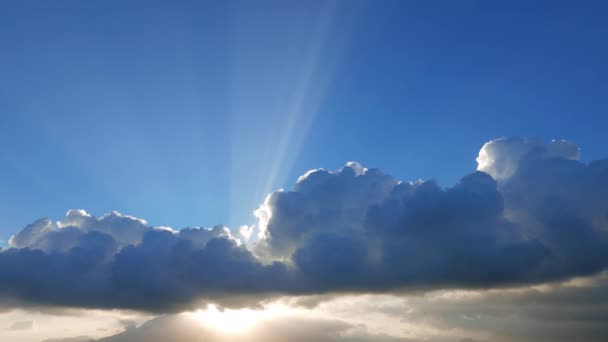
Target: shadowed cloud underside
(532, 213)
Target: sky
(200, 109)
(375, 170)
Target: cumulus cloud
(89, 263)
(532, 213)
(501, 157)
(63, 235)
(536, 214)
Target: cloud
(61, 237)
(70, 339)
(558, 312)
(21, 325)
(501, 157)
(182, 328)
(532, 213)
(166, 270)
(564, 311)
(542, 217)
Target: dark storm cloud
(532, 213)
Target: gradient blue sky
(188, 113)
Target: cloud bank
(181, 328)
(531, 213)
(573, 310)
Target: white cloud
(501, 157)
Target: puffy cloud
(63, 236)
(32, 234)
(501, 157)
(542, 218)
(321, 202)
(87, 262)
(532, 213)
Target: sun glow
(231, 321)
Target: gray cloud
(543, 218)
(21, 325)
(558, 312)
(532, 213)
(164, 271)
(568, 311)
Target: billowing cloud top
(532, 213)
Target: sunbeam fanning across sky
(296, 171)
(270, 125)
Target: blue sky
(189, 113)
